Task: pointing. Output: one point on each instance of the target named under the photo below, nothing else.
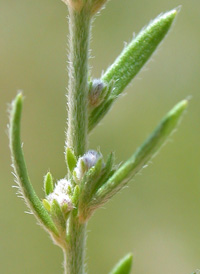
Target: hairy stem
(79, 24)
(74, 254)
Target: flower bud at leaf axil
(97, 93)
(75, 4)
(92, 6)
(87, 161)
(61, 194)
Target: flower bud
(61, 194)
(97, 92)
(93, 6)
(87, 161)
(75, 4)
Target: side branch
(20, 169)
(79, 23)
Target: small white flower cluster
(61, 194)
(89, 160)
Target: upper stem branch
(79, 26)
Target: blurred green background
(158, 216)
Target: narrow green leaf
(75, 196)
(70, 159)
(48, 183)
(99, 112)
(105, 173)
(87, 188)
(58, 216)
(66, 211)
(20, 169)
(142, 155)
(131, 60)
(46, 204)
(136, 54)
(92, 182)
(89, 180)
(124, 266)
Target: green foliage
(48, 183)
(130, 62)
(124, 265)
(20, 169)
(76, 194)
(117, 180)
(91, 182)
(57, 216)
(46, 204)
(70, 159)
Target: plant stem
(75, 253)
(79, 26)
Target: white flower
(88, 160)
(61, 194)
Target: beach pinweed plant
(91, 179)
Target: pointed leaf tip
(131, 60)
(178, 9)
(19, 96)
(171, 14)
(142, 155)
(20, 169)
(124, 265)
(70, 159)
(48, 183)
(16, 108)
(138, 51)
(180, 107)
(173, 117)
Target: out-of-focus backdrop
(158, 216)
